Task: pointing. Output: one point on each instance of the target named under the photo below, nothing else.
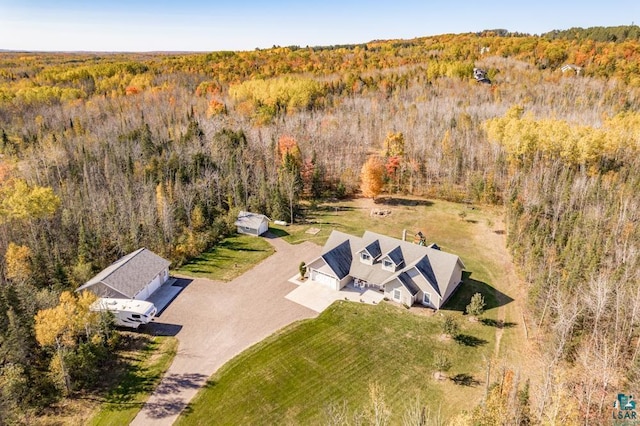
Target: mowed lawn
(232, 257)
(294, 376)
(139, 373)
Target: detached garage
(134, 276)
(252, 223)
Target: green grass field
(143, 367)
(294, 376)
(232, 257)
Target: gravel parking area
(215, 321)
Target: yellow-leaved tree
(21, 201)
(18, 262)
(63, 327)
(372, 177)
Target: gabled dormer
(393, 260)
(370, 253)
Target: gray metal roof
(339, 259)
(424, 267)
(396, 256)
(250, 220)
(128, 275)
(408, 283)
(374, 249)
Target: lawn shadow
(493, 298)
(395, 201)
(330, 208)
(235, 246)
(464, 379)
(275, 233)
(468, 340)
(497, 323)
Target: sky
(198, 25)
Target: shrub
(303, 269)
(441, 362)
(450, 326)
(476, 305)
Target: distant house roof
(250, 220)
(125, 277)
(571, 67)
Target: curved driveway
(220, 320)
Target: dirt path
(217, 321)
(521, 354)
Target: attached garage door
(146, 292)
(324, 279)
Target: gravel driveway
(220, 320)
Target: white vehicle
(127, 312)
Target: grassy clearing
(144, 365)
(232, 257)
(293, 376)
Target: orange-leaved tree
(372, 177)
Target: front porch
(363, 284)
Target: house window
(365, 257)
(397, 294)
(426, 299)
(387, 264)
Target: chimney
(404, 235)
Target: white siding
(405, 297)
(455, 279)
(264, 227)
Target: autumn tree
(372, 177)
(65, 328)
(18, 262)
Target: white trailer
(127, 312)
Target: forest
(101, 154)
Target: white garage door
(324, 279)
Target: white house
(134, 276)
(252, 223)
(407, 273)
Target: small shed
(252, 223)
(134, 276)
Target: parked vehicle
(127, 312)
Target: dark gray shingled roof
(396, 256)
(374, 249)
(127, 275)
(408, 283)
(339, 259)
